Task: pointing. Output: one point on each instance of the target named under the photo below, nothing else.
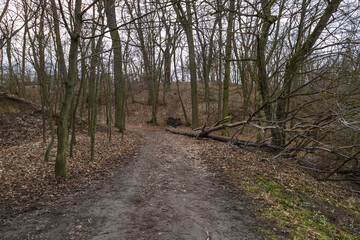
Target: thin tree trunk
(186, 22)
(59, 48)
(73, 118)
(45, 86)
(219, 72)
(292, 67)
(167, 63)
(93, 90)
(187, 123)
(228, 50)
(23, 66)
(12, 78)
(60, 164)
(262, 85)
(118, 74)
(83, 83)
(110, 101)
(2, 81)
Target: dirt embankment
(27, 182)
(20, 121)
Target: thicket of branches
(296, 63)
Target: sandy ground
(167, 192)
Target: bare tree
(185, 18)
(118, 71)
(69, 84)
(228, 50)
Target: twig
(326, 178)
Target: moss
(8, 106)
(292, 211)
(270, 235)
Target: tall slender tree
(228, 50)
(117, 66)
(292, 66)
(69, 85)
(185, 19)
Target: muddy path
(167, 192)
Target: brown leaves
(20, 126)
(27, 182)
(278, 186)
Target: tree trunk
(187, 123)
(262, 81)
(13, 83)
(59, 48)
(167, 64)
(219, 72)
(2, 81)
(186, 22)
(23, 66)
(292, 66)
(229, 36)
(118, 73)
(60, 164)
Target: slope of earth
(20, 121)
(27, 182)
(167, 192)
(139, 112)
(288, 195)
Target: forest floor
(175, 187)
(166, 192)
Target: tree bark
(262, 80)
(223, 139)
(59, 48)
(219, 72)
(228, 50)
(186, 22)
(187, 123)
(118, 72)
(62, 122)
(93, 85)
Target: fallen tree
(205, 134)
(286, 149)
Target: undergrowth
(299, 214)
(293, 203)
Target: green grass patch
(293, 211)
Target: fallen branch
(204, 133)
(200, 134)
(341, 179)
(341, 165)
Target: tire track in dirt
(165, 193)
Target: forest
(208, 119)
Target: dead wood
(204, 134)
(205, 131)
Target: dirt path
(166, 193)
